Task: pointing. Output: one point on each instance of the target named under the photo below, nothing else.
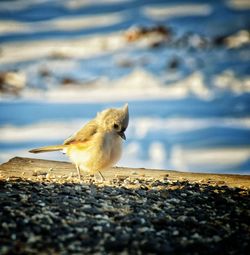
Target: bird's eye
(116, 126)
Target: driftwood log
(30, 168)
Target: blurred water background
(183, 67)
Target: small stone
(217, 238)
(196, 236)
(182, 218)
(176, 233)
(98, 228)
(13, 236)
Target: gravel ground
(125, 216)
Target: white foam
(133, 149)
(63, 24)
(157, 152)
(87, 46)
(238, 4)
(177, 159)
(142, 127)
(39, 131)
(139, 128)
(210, 159)
(76, 4)
(137, 85)
(159, 12)
(238, 39)
(19, 5)
(227, 80)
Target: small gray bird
(97, 145)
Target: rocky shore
(51, 212)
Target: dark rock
(174, 63)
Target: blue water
(210, 62)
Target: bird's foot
(78, 172)
(100, 177)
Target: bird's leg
(102, 177)
(78, 171)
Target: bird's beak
(122, 135)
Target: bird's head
(114, 120)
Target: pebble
(176, 233)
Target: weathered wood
(29, 168)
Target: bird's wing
(84, 134)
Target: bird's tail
(48, 148)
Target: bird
(97, 146)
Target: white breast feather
(107, 155)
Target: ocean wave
(138, 84)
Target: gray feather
(83, 134)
